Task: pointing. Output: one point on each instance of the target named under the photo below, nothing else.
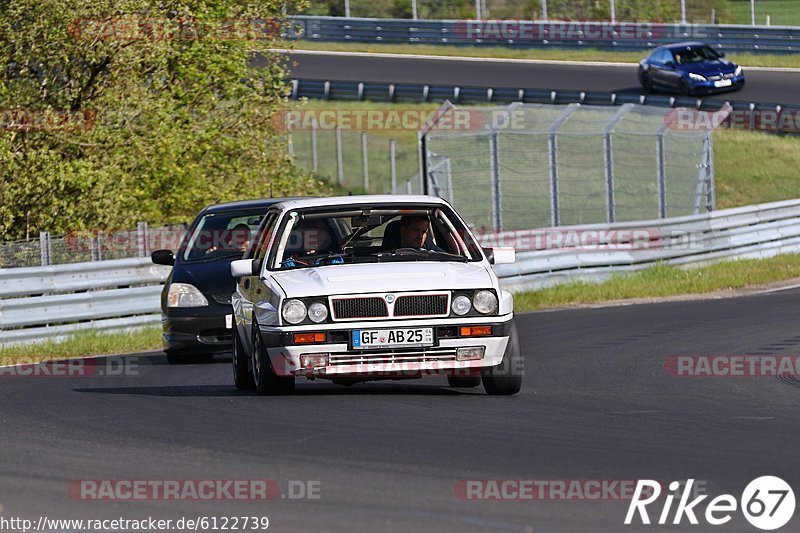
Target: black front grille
(359, 308)
(421, 305)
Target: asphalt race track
(597, 404)
(772, 86)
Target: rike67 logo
(767, 503)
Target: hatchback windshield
(219, 235)
(359, 234)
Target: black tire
(464, 382)
(266, 381)
(506, 378)
(683, 88)
(242, 376)
(647, 82)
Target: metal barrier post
(393, 164)
(339, 162)
(44, 248)
(661, 176)
(494, 163)
(141, 238)
(365, 162)
(314, 144)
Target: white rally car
(360, 288)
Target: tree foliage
(177, 115)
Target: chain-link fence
(360, 161)
(94, 246)
(532, 166)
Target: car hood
(710, 68)
(383, 277)
(213, 278)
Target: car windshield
(372, 234)
(695, 55)
(222, 235)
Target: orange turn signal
(308, 338)
(476, 331)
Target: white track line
(494, 59)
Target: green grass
(664, 280)
(85, 343)
(745, 59)
(781, 12)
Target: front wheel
(506, 378)
(683, 88)
(267, 382)
(242, 377)
(646, 81)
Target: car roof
(684, 45)
(247, 204)
(362, 199)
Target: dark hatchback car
(196, 300)
(689, 68)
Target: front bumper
(198, 333)
(708, 87)
(395, 363)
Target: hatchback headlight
(294, 311)
(697, 77)
(185, 295)
(461, 305)
(737, 71)
(485, 302)
(317, 312)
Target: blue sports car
(689, 68)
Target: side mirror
(722, 54)
(669, 64)
(500, 256)
(242, 267)
(163, 257)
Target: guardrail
(411, 92)
(756, 231)
(41, 303)
(122, 294)
(623, 36)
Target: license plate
(368, 339)
(229, 321)
(722, 83)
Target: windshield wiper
(429, 254)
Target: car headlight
(697, 77)
(317, 312)
(485, 302)
(461, 305)
(737, 71)
(294, 311)
(185, 295)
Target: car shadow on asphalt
(322, 389)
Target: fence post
(141, 238)
(44, 248)
(339, 161)
(365, 163)
(661, 175)
(552, 148)
(314, 144)
(95, 248)
(393, 164)
(608, 159)
(712, 197)
(290, 145)
(494, 162)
